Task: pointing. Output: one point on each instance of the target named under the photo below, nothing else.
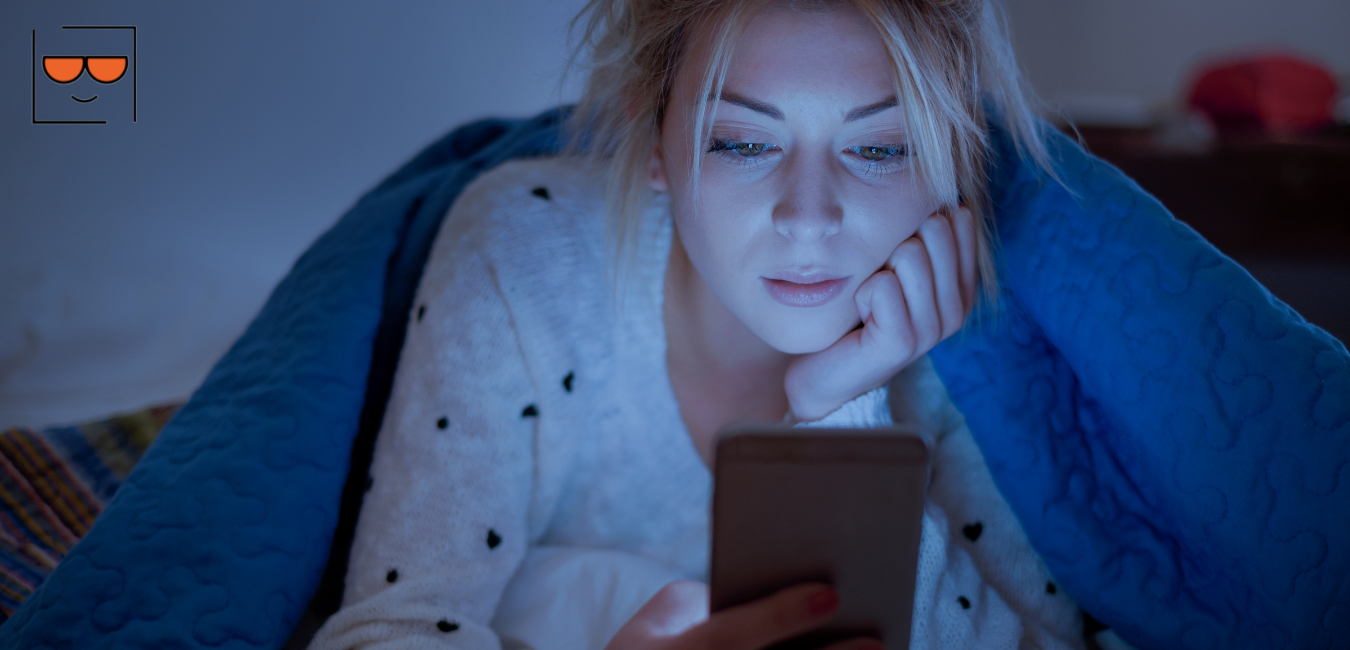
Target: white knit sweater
(533, 483)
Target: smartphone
(840, 506)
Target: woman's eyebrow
(772, 111)
(756, 106)
(871, 109)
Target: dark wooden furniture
(1247, 194)
(1279, 206)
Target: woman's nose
(807, 209)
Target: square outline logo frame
(134, 77)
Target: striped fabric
(54, 483)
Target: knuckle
(929, 335)
(939, 224)
(887, 285)
(904, 354)
(910, 259)
(955, 320)
(906, 248)
(907, 343)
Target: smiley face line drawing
(66, 69)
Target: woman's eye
(877, 153)
(745, 149)
(748, 149)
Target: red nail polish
(823, 601)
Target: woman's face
(805, 187)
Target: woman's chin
(802, 336)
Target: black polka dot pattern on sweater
(541, 192)
(370, 482)
(529, 412)
(567, 381)
(972, 531)
(446, 626)
(1092, 626)
(421, 311)
(493, 539)
(392, 576)
(442, 423)
(1050, 588)
(965, 602)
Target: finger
(963, 227)
(887, 333)
(676, 608)
(862, 298)
(915, 271)
(856, 643)
(778, 617)
(940, 243)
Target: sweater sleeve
(444, 523)
(867, 411)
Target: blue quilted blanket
(1172, 437)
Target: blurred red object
(1275, 93)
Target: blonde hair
(948, 58)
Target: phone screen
(841, 506)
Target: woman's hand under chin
(921, 296)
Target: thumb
(679, 606)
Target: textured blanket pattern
(1175, 440)
(1172, 438)
(54, 483)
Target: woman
(796, 214)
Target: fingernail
(823, 602)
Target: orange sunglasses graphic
(65, 69)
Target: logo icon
(88, 86)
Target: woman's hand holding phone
(921, 296)
(676, 618)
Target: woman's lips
(801, 294)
